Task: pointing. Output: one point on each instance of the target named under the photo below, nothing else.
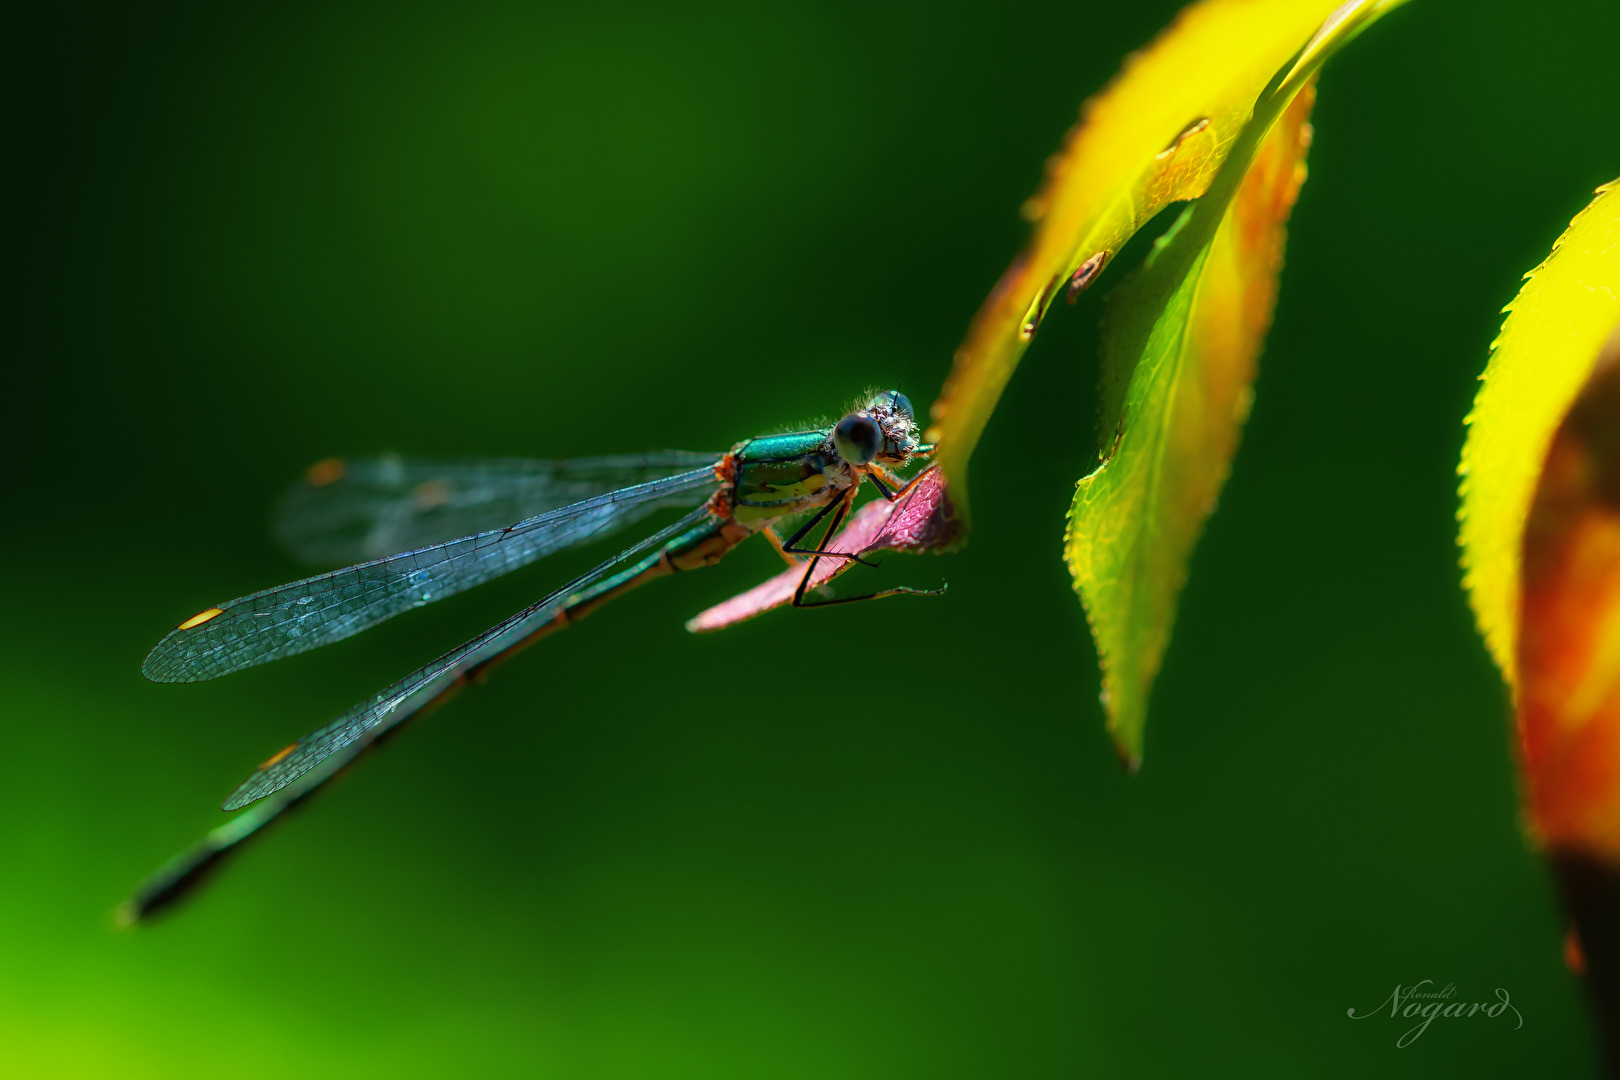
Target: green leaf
(1179, 354)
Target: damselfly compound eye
(858, 438)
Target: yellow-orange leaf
(1569, 637)
(1183, 344)
(1157, 134)
(1554, 330)
(1178, 360)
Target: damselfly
(345, 510)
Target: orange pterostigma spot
(278, 755)
(432, 493)
(325, 472)
(202, 617)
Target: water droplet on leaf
(1186, 133)
(1086, 273)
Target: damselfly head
(893, 413)
(886, 431)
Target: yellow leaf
(1553, 332)
(1157, 134)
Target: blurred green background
(243, 240)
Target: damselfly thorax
(773, 477)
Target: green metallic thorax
(777, 475)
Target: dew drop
(1037, 310)
(1186, 133)
(1086, 273)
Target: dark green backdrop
(881, 841)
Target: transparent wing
(182, 875)
(349, 511)
(368, 720)
(290, 619)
